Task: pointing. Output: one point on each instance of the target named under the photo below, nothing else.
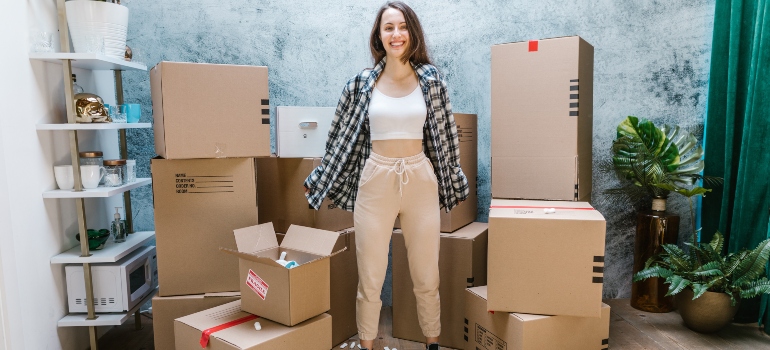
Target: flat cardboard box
(487, 330)
(166, 309)
(542, 119)
(313, 334)
(343, 288)
(462, 264)
(203, 110)
(546, 264)
(286, 296)
(301, 132)
(198, 203)
(282, 197)
(465, 212)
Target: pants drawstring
(403, 176)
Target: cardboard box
(198, 204)
(313, 334)
(465, 212)
(542, 119)
(286, 296)
(546, 264)
(210, 110)
(462, 264)
(302, 131)
(508, 331)
(344, 287)
(282, 197)
(166, 309)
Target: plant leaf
(655, 271)
(678, 283)
(756, 288)
(753, 265)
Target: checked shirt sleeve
(318, 180)
(451, 145)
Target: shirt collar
(425, 73)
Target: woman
(393, 151)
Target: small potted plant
(708, 284)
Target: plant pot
(97, 25)
(707, 314)
(653, 229)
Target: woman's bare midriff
(397, 148)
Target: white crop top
(392, 118)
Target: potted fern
(708, 284)
(654, 162)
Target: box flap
(481, 291)
(531, 209)
(251, 257)
(310, 240)
(255, 238)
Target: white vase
(97, 24)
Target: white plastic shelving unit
(111, 252)
(99, 192)
(89, 61)
(92, 126)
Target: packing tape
(534, 207)
(207, 333)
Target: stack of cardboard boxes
(546, 253)
(212, 135)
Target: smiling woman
(393, 151)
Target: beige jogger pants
(391, 187)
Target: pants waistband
(388, 161)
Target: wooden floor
(629, 329)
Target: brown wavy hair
(417, 52)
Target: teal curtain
(738, 131)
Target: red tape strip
(535, 207)
(532, 45)
(207, 333)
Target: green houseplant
(654, 161)
(707, 283)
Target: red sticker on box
(532, 45)
(256, 284)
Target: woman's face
(393, 33)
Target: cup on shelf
(65, 179)
(118, 113)
(41, 41)
(130, 170)
(90, 175)
(133, 112)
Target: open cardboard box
(270, 290)
(227, 327)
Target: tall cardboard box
(284, 295)
(198, 204)
(462, 264)
(203, 110)
(343, 277)
(545, 264)
(507, 331)
(166, 309)
(542, 119)
(282, 197)
(465, 212)
(313, 334)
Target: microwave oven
(118, 286)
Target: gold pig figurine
(90, 109)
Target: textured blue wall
(651, 60)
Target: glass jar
(91, 158)
(114, 172)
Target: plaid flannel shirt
(349, 143)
